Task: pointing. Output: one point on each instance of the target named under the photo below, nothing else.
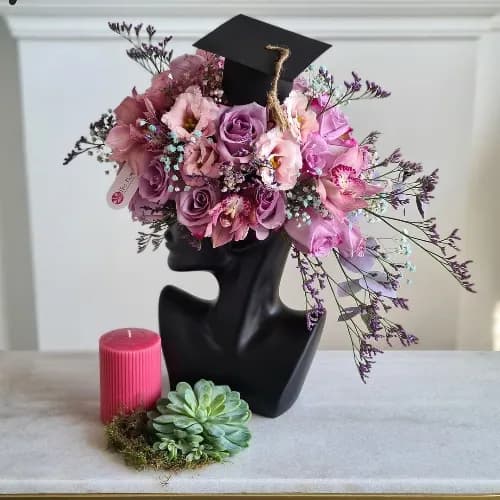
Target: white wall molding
(320, 8)
(183, 28)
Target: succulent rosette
(224, 171)
(204, 421)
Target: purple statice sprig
(95, 143)
(153, 57)
(155, 235)
(430, 241)
(355, 90)
(399, 176)
(370, 324)
(313, 282)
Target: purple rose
(239, 127)
(193, 208)
(269, 211)
(153, 183)
(143, 210)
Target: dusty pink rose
(333, 124)
(144, 210)
(282, 153)
(194, 208)
(188, 68)
(239, 128)
(153, 183)
(192, 112)
(231, 220)
(318, 237)
(316, 155)
(200, 160)
(302, 121)
(269, 211)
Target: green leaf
(217, 405)
(214, 430)
(240, 437)
(166, 419)
(190, 399)
(195, 429)
(183, 422)
(203, 391)
(163, 428)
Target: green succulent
(207, 421)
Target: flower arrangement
(224, 171)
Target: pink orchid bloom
(343, 191)
(231, 220)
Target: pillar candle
(130, 369)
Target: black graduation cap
(249, 67)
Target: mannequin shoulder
(175, 300)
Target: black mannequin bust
(246, 338)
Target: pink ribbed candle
(130, 365)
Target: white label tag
(125, 186)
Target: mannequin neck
(249, 292)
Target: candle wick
(129, 334)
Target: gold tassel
(273, 102)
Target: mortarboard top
(249, 67)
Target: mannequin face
(185, 257)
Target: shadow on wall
(17, 310)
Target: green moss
(128, 435)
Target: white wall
(17, 316)
(87, 277)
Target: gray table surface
(427, 422)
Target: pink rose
(200, 160)
(153, 183)
(282, 154)
(231, 220)
(352, 242)
(333, 124)
(302, 121)
(318, 237)
(143, 210)
(192, 112)
(239, 127)
(194, 207)
(269, 211)
(316, 155)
